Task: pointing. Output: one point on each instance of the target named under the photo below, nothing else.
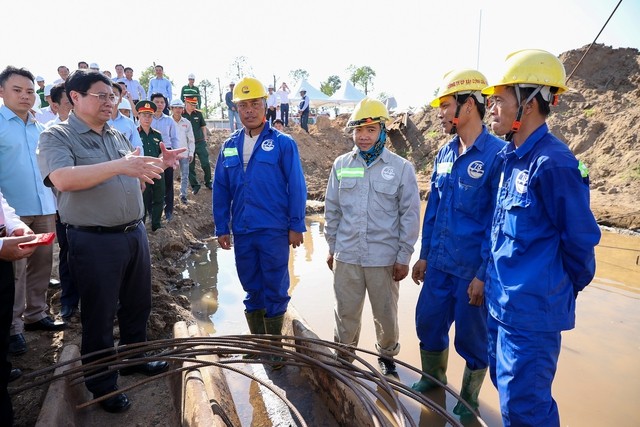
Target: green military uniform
(190, 92)
(197, 122)
(153, 195)
(43, 101)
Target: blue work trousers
(443, 300)
(522, 365)
(262, 261)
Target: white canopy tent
(316, 97)
(347, 95)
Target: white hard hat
(270, 87)
(94, 66)
(39, 79)
(191, 76)
(124, 105)
(176, 103)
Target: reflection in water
(602, 353)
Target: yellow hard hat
(248, 88)
(460, 81)
(368, 111)
(531, 67)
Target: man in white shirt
(186, 140)
(283, 98)
(133, 86)
(272, 104)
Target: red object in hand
(40, 240)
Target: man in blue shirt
(232, 109)
(22, 186)
(542, 240)
(125, 125)
(455, 238)
(167, 127)
(159, 84)
(259, 190)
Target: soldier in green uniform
(153, 195)
(200, 133)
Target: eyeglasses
(104, 97)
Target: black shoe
(149, 369)
(183, 199)
(115, 404)
(196, 189)
(15, 374)
(45, 324)
(68, 311)
(54, 283)
(17, 345)
(209, 186)
(387, 366)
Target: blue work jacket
(543, 236)
(457, 221)
(270, 194)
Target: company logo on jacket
(522, 181)
(267, 145)
(476, 169)
(388, 173)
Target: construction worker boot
(434, 363)
(273, 326)
(471, 384)
(255, 320)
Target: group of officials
(508, 236)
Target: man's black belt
(124, 228)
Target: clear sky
(410, 44)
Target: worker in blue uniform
(542, 240)
(260, 192)
(455, 238)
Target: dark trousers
(284, 110)
(154, 198)
(113, 274)
(70, 296)
(271, 115)
(304, 120)
(7, 290)
(202, 153)
(168, 192)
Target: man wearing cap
(261, 193)
(167, 127)
(93, 66)
(185, 140)
(190, 90)
(98, 174)
(234, 118)
(153, 195)
(272, 104)
(159, 84)
(303, 108)
(124, 124)
(200, 134)
(456, 236)
(133, 86)
(23, 189)
(40, 91)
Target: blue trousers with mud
(262, 261)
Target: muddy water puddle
(598, 371)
